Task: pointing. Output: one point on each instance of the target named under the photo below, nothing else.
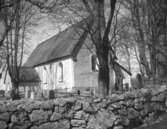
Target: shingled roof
(63, 45)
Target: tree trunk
(139, 63)
(128, 58)
(111, 80)
(101, 48)
(162, 60)
(153, 60)
(143, 58)
(15, 91)
(99, 35)
(103, 77)
(118, 78)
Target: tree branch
(112, 8)
(85, 2)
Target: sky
(40, 33)
(44, 29)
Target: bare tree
(43, 5)
(139, 21)
(156, 11)
(148, 18)
(3, 6)
(100, 36)
(15, 40)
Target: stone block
(62, 102)
(122, 121)
(14, 119)
(106, 119)
(3, 107)
(55, 116)
(93, 123)
(63, 124)
(118, 127)
(78, 106)
(78, 128)
(29, 106)
(23, 125)
(148, 107)
(23, 116)
(138, 106)
(48, 105)
(69, 115)
(116, 106)
(159, 98)
(89, 108)
(78, 123)
(116, 98)
(34, 127)
(3, 125)
(40, 116)
(166, 102)
(122, 112)
(81, 115)
(132, 113)
(5, 116)
(48, 126)
(162, 88)
(59, 109)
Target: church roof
(63, 45)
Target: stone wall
(116, 112)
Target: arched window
(45, 75)
(60, 72)
(95, 63)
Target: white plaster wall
(51, 74)
(68, 74)
(83, 75)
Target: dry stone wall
(124, 111)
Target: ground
(160, 125)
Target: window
(95, 63)
(60, 72)
(45, 75)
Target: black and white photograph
(83, 64)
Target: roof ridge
(57, 46)
(60, 32)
